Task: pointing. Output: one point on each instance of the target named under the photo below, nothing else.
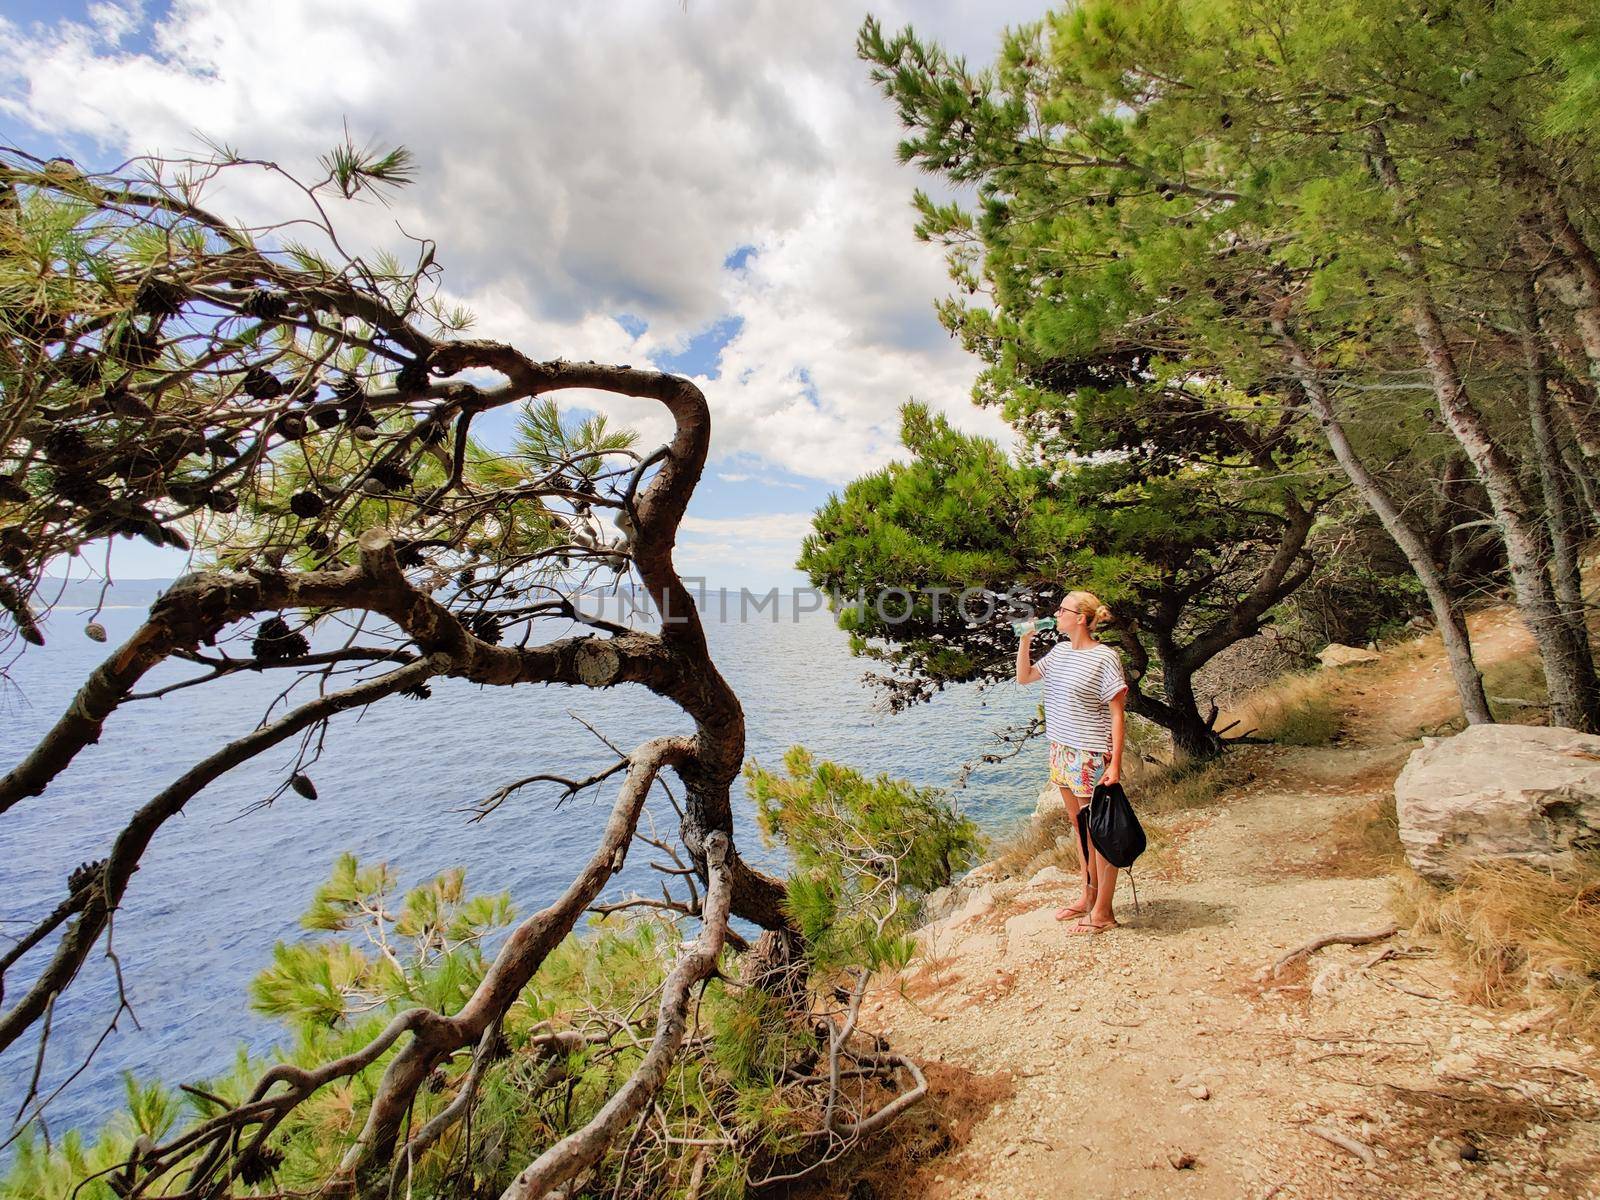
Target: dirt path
(1150, 1061)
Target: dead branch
(434, 1038)
(1329, 939)
(1347, 1144)
(580, 1150)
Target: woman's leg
(1102, 874)
(1105, 880)
(1085, 901)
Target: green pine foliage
(864, 852)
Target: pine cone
(135, 346)
(119, 400)
(261, 384)
(257, 1166)
(159, 297)
(64, 443)
(184, 493)
(301, 782)
(485, 628)
(412, 377)
(291, 426)
(264, 305)
(306, 505)
(86, 875)
(348, 388)
(222, 501)
(275, 641)
(80, 489)
(392, 475)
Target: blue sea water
(227, 879)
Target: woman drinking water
(1084, 692)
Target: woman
(1084, 693)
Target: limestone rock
(1499, 792)
(940, 903)
(977, 904)
(982, 873)
(1050, 878)
(1336, 654)
(1049, 801)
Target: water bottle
(1042, 625)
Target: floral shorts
(1077, 770)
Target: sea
(396, 783)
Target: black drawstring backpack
(1109, 821)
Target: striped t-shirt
(1077, 686)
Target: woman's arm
(1113, 773)
(1026, 671)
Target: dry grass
(1516, 690)
(1178, 789)
(1301, 709)
(1045, 840)
(1518, 935)
(1363, 846)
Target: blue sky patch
(633, 326)
(739, 258)
(703, 353)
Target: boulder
(1337, 654)
(940, 903)
(1520, 792)
(1049, 801)
(1049, 879)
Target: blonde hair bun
(1089, 604)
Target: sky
(709, 188)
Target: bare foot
(1093, 926)
(1079, 908)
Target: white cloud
(770, 527)
(582, 161)
(746, 477)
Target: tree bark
(1580, 475)
(581, 1149)
(1561, 516)
(1452, 626)
(1575, 277)
(1569, 673)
